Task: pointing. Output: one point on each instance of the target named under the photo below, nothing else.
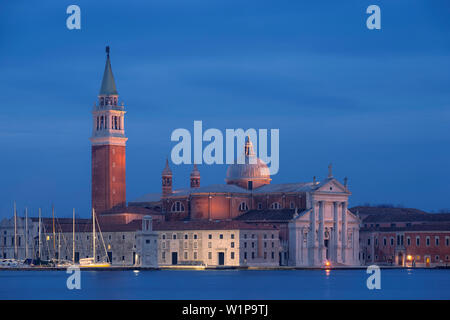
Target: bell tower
(108, 146)
(195, 177)
(166, 176)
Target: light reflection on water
(227, 284)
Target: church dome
(250, 169)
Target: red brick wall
(386, 254)
(108, 177)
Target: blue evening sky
(374, 103)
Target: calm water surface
(227, 284)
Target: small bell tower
(108, 146)
(166, 180)
(195, 177)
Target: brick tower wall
(108, 177)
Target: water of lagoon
(227, 284)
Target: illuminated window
(275, 206)
(243, 206)
(178, 207)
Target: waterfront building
(404, 237)
(217, 243)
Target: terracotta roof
(408, 217)
(207, 225)
(366, 210)
(131, 209)
(414, 227)
(268, 215)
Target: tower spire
(108, 84)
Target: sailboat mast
(93, 232)
(15, 231)
(54, 237)
(73, 236)
(40, 227)
(26, 233)
(59, 246)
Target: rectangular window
(209, 244)
(232, 244)
(185, 255)
(209, 236)
(221, 236)
(232, 255)
(447, 241)
(273, 255)
(195, 255)
(265, 255)
(245, 244)
(436, 240)
(209, 255)
(245, 255)
(428, 241)
(232, 236)
(253, 255)
(408, 241)
(368, 242)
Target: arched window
(101, 122)
(259, 206)
(243, 206)
(177, 207)
(275, 205)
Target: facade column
(320, 237)
(300, 260)
(335, 245)
(344, 232)
(312, 236)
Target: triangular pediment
(332, 186)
